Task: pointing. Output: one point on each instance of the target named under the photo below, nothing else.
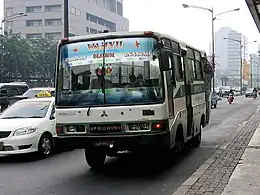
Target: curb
(184, 188)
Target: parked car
(9, 91)
(249, 92)
(225, 91)
(28, 126)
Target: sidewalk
(245, 180)
(234, 169)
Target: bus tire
(95, 157)
(196, 140)
(179, 141)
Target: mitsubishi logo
(104, 114)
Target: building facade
(254, 68)
(228, 53)
(45, 17)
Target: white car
(28, 126)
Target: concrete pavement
(245, 179)
(213, 176)
(67, 173)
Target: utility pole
(213, 48)
(244, 60)
(251, 71)
(66, 18)
(241, 67)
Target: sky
(189, 25)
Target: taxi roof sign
(43, 94)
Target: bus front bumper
(117, 142)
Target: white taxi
(28, 126)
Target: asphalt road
(68, 174)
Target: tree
(25, 59)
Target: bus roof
(111, 35)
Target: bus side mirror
(164, 60)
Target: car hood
(13, 124)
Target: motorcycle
(230, 98)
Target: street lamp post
(251, 71)
(213, 18)
(66, 18)
(241, 61)
(7, 18)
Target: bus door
(188, 84)
(170, 78)
(170, 85)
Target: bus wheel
(95, 157)
(196, 140)
(179, 143)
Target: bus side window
(171, 71)
(198, 65)
(178, 67)
(170, 67)
(191, 62)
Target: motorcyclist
(231, 95)
(255, 92)
(231, 92)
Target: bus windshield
(132, 74)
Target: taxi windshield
(32, 109)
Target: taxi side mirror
(52, 117)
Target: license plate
(102, 143)
(1, 145)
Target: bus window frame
(191, 57)
(198, 65)
(59, 78)
(178, 65)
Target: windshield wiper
(93, 101)
(34, 117)
(101, 80)
(11, 117)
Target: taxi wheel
(45, 146)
